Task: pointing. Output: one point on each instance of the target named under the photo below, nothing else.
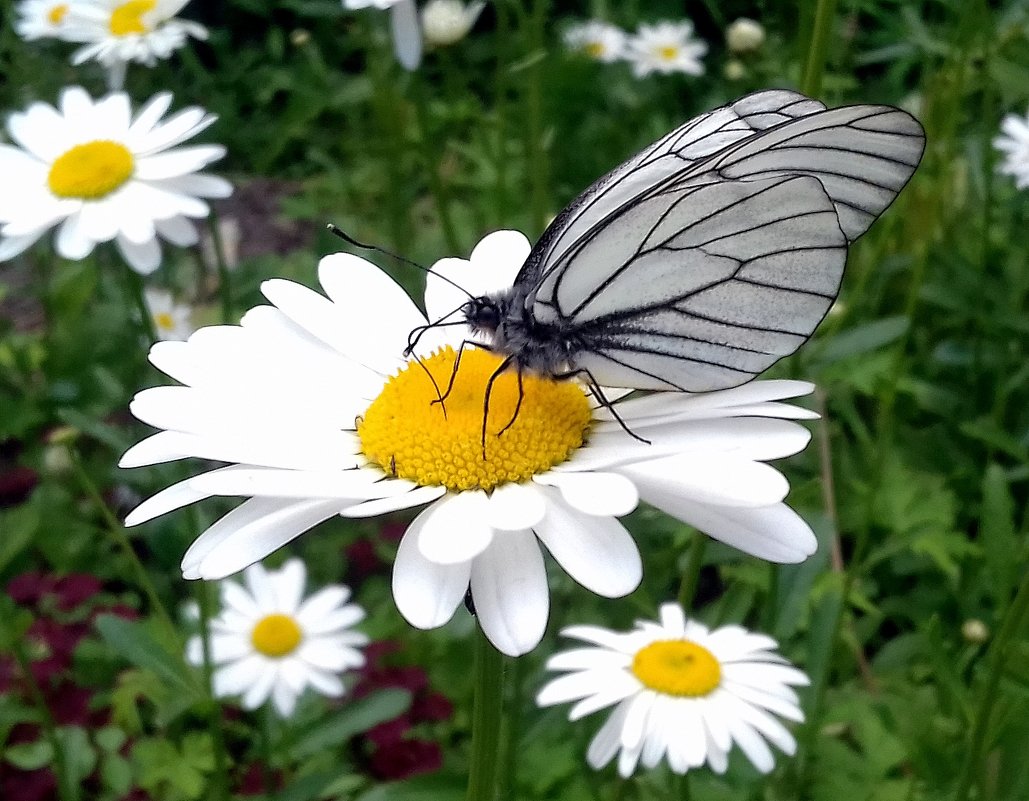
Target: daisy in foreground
(684, 692)
(666, 47)
(317, 413)
(270, 642)
(102, 174)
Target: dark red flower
(254, 778)
(16, 485)
(389, 732)
(29, 588)
(393, 532)
(28, 785)
(362, 560)
(75, 589)
(431, 707)
(406, 758)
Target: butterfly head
(484, 314)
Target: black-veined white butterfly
(708, 256)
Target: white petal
(636, 719)
(174, 497)
(454, 529)
(775, 533)
(717, 480)
(605, 743)
(426, 593)
(594, 493)
(144, 257)
(249, 533)
(255, 481)
(407, 34)
(402, 500)
(598, 552)
(510, 594)
(288, 584)
(513, 507)
(72, 241)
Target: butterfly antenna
(337, 231)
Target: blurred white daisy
(744, 35)
(403, 20)
(101, 174)
(271, 642)
(684, 693)
(1014, 144)
(41, 19)
(446, 22)
(317, 413)
(171, 320)
(666, 47)
(116, 32)
(599, 40)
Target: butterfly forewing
(696, 269)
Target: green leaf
(30, 756)
(138, 646)
(997, 535)
(421, 788)
(80, 757)
(356, 717)
(862, 339)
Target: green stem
(215, 722)
(1002, 649)
(512, 731)
(137, 296)
(117, 532)
(487, 719)
(224, 278)
(688, 585)
(388, 109)
(811, 83)
(65, 791)
(267, 751)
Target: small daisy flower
(1014, 144)
(116, 32)
(403, 20)
(666, 47)
(598, 40)
(316, 412)
(102, 174)
(41, 19)
(744, 36)
(271, 642)
(446, 22)
(171, 320)
(684, 693)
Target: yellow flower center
(668, 52)
(91, 171)
(276, 635)
(164, 321)
(411, 437)
(677, 667)
(56, 14)
(127, 18)
(595, 49)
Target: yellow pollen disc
(276, 635)
(164, 321)
(595, 49)
(677, 667)
(410, 437)
(127, 18)
(91, 171)
(668, 52)
(56, 14)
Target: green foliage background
(910, 619)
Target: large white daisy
(684, 692)
(666, 47)
(41, 19)
(317, 413)
(271, 642)
(120, 31)
(102, 174)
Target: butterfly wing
(708, 275)
(668, 157)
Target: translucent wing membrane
(716, 251)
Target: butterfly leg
(457, 364)
(518, 405)
(485, 400)
(598, 393)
